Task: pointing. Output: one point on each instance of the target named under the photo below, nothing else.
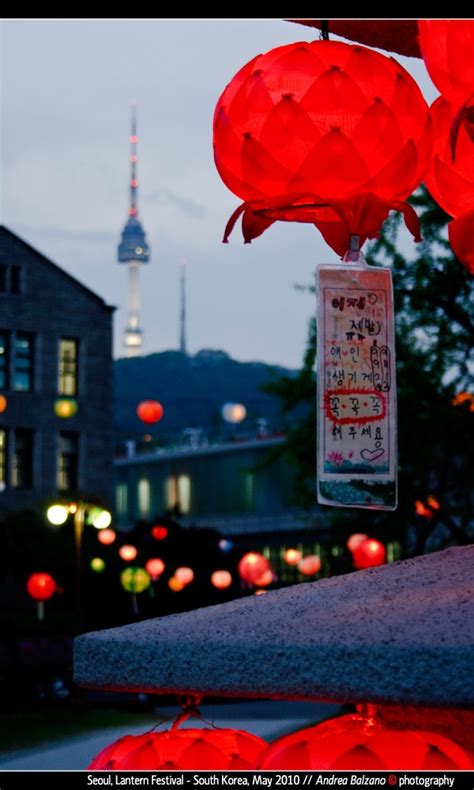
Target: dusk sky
(67, 89)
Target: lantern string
(189, 704)
(324, 35)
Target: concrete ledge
(401, 633)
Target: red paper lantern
(155, 567)
(447, 46)
(265, 579)
(127, 552)
(368, 554)
(310, 565)
(40, 586)
(322, 132)
(292, 556)
(353, 743)
(221, 579)
(184, 575)
(159, 532)
(150, 411)
(106, 536)
(181, 750)
(450, 178)
(354, 540)
(252, 566)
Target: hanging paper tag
(357, 452)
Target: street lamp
(58, 514)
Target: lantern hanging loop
(189, 704)
(324, 34)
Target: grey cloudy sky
(67, 88)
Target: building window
(144, 498)
(68, 457)
(178, 493)
(3, 277)
(24, 358)
(16, 280)
(3, 459)
(4, 356)
(121, 500)
(67, 369)
(22, 468)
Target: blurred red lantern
(353, 743)
(368, 554)
(450, 178)
(175, 585)
(292, 556)
(154, 567)
(252, 566)
(447, 46)
(322, 132)
(159, 532)
(150, 411)
(184, 575)
(127, 552)
(354, 540)
(221, 579)
(180, 750)
(309, 565)
(40, 586)
(106, 536)
(422, 510)
(265, 579)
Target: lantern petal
(377, 135)
(254, 225)
(234, 85)
(334, 100)
(288, 132)
(200, 754)
(387, 182)
(461, 238)
(251, 105)
(447, 46)
(329, 164)
(288, 73)
(262, 169)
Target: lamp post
(58, 514)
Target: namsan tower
(134, 251)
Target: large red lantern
(450, 178)
(155, 567)
(150, 411)
(158, 532)
(181, 750)
(354, 742)
(221, 579)
(40, 586)
(310, 565)
(368, 554)
(447, 46)
(252, 567)
(322, 132)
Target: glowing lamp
(181, 750)
(40, 586)
(464, 397)
(265, 579)
(322, 132)
(159, 532)
(368, 554)
(221, 579)
(184, 574)
(106, 536)
(3, 403)
(433, 503)
(175, 585)
(310, 565)
(293, 556)
(355, 743)
(97, 565)
(154, 567)
(150, 411)
(135, 580)
(100, 519)
(57, 514)
(355, 539)
(422, 510)
(225, 545)
(234, 412)
(252, 566)
(127, 552)
(65, 408)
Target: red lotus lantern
(368, 554)
(40, 587)
(106, 536)
(310, 565)
(221, 579)
(322, 132)
(292, 556)
(127, 552)
(447, 46)
(252, 566)
(356, 743)
(184, 575)
(159, 532)
(154, 567)
(354, 540)
(450, 179)
(181, 750)
(150, 411)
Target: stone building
(55, 382)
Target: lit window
(178, 493)
(121, 499)
(144, 498)
(23, 366)
(22, 467)
(3, 459)
(68, 457)
(67, 368)
(3, 360)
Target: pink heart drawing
(371, 455)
